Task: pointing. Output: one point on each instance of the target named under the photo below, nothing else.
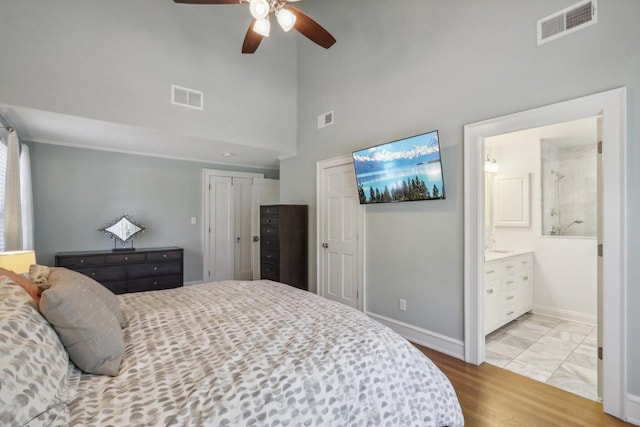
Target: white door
(339, 226)
(230, 224)
(243, 259)
(222, 228)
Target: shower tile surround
(569, 188)
(557, 352)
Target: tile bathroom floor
(556, 352)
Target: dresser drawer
(269, 243)
(156, 256)
(155, 283)
(270, 257)
(117, 287)
(268, 230)
(154, 268)
(104, 273)
(269, 220)
(121, 258)
(80, 261)
(270, 271)
(269, 210)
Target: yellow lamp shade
(17, 261)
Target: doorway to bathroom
(611, 105)
(541, 229)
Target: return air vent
(187, 97)
(325, 120)
(568, 20)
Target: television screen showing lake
(404, 170)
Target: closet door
(222, 228)
(243, 259)
(230, 212)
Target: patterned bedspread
(262, 354)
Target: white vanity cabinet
(508, 289)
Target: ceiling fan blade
(251, 40)
(311, 29)
(208, 1)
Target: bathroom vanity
(508, 287)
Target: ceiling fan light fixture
(262, 27)
(259, 9)
(286, 19)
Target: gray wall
(76, 191)
(398, 70)
(116, 60)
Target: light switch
(193, 220)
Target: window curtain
(18, 197)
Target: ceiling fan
(287, 16)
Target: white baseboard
(572, 316)
(633, 409)
(433, 340)
(197, 282)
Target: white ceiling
(61, 129)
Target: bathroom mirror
(123, 229)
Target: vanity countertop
(499, 254)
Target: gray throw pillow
(88, 329)
(63, 275)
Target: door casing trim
(612, 105)
(206, 203)
(321, 165)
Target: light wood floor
(491, 396)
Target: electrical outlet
(403, 304)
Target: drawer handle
(93, 273)
(509, 282)
(508, 266)
(269, 256)
(155, 268)
(525, 278)
(155, 283)
(126, 258)
(81, 261)
(490, 271)
(510, 313)
(509, 298)
(490, 291)
(268, 221)
(164, 255)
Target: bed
(238, 353)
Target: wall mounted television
(405, 170)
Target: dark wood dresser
(283, 244)
(132, 271)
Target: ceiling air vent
(568, 20)
(187, 97)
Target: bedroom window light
(3, 172)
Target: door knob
(325, 245)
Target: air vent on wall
(187, 97)
(568, 20)
(325, 120)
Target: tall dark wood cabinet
(135, 271)
(283, 244)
